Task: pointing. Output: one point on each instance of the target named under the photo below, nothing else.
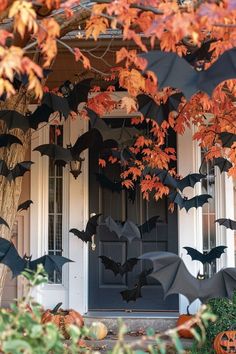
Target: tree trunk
(10, 191)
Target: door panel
(104, 286)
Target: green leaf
(150, 332)
(17, 346)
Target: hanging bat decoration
(201, 276)
(162, 174)
(90, 230)
(170, 270)
(158, 112)
(129, 230)
(25, 205)
(187, 204)
(189, 180)
(209, 257)
(118, 268)
(3, 222)
(174, 71)
(149, 225)
(227, 139)
(223, 164)
(6, 140)
(75, 93)
(10, 257)
(228, 223)
(14, 119)
(17, 171)
(134, 293)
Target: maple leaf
(129, 104)
(95, 26)
(3, 4)
(24, 17)
(102, 163)
(80, 56)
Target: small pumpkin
(184, 333)
(98, 331)
(225, 342)
(63, 318)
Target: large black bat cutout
(118, 268)
(134, 293)
(223, 164)
(3, 222)
(174, 71)
(17, 171)
(189, 180)
(209, 257)
(195, 202)
(76, 93)
(162, 174)
(90, 230)
(6, 140)
(170, 270)
(129, 230)
(227, 139)
(10, 257)
(228, 223)
(25, 205)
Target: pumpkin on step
(98, 331)
(63, 318)
(184, 333)
(225, 342)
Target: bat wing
(172, 71)
(92, 224)
(82, 235)
(149, 224)
(227, 139)
(10, 257)
(56, 103)
(4, 171)
(25, 205)
(110, 264)
(130, 231)
(190, 180)
(55, 152)
(96, 121)
(113, 226)
(6, 140)
(216, 252)
(105, 182)
(142, 278)
(223, 164)
(79, 94)
(228, 223)
(13, 120)
(87, 140)
(196, 255)
(51, 263)
(175, 197)
(150, 109)
(165, 177)
(3, 222)
(128, 265)
(19, 170)
(196, 201)
(223, 69)
(40, 115)
(131, 294)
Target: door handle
(93, 244)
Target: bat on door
(3, 222)
(118, 268)
(187, 204)
(6, 140)
(209, 257)
(134, 293)
(228, 223)
(25, 205)
(128, 230)
(189, 180)
(17, 264)
(174, 71)
(170, 270)
(17, 171)
(90, 230)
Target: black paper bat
(228, 223)
(90, 230)
(25, 205)
(134, 293)
(17, 171)
(3, 222)
(118, 268)
(124, 155)
(148, 225)
(6, 140)
(223, 164)
(200, 53)
(62, 155)
(105, 182)
(195, 202)
(189, 180)
(75, 94)
(227, 139)
(129, 230)
(13, 120)
(209, 257)
(56, 103)
(162, 174)
(174, 71)
(159, 113)
(170, 270)
(10, 257)
(40, 115)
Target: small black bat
(223, 164)
(90, 230)
(11, 258)
(128, 230)
(134, 293)
(25, 205)
(227, 139)
(148, 225)
(76, 93)
(209, 257)
(189, 180)
(162, 174)
(6, 140)
(17, 171)
(3, 222)
(195, 202)
(14, 119)
(118, 268)
(228, 223)
(174, 71)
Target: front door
(104, 286)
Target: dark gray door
(104, 287)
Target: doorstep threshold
(132, 314)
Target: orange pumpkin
(225, 342)
(63, 318)
(184, 333)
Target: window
(55, 200)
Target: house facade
(62, 202)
